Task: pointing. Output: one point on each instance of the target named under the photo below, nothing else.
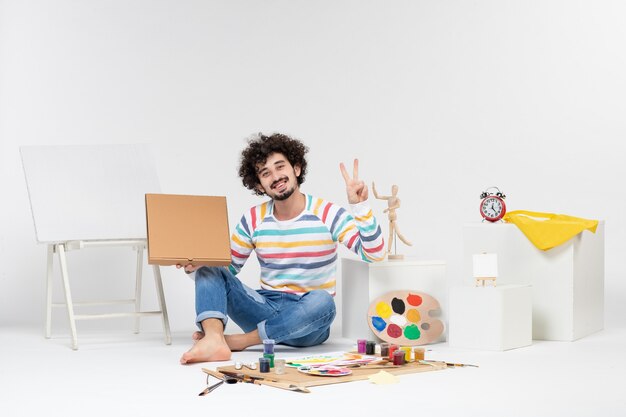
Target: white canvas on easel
(485, 268)
(89, 196)
(89, 192)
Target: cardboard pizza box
(187, 229)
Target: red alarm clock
(492, 206)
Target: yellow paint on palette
(383, 310)
(413, 316)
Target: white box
(362, 282)
(490, 318)
(567, 281)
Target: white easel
(92, 196)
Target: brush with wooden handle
(282, 385)
(262, 381)
(257, 380)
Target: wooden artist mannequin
(393, 203)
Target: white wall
(444, 98)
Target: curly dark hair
(260, 147)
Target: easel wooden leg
(49, 291)
(68, 294)
(159, 287)
(138, 279)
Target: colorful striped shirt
(300, 254)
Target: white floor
(125, 374)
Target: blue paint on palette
(378, 323)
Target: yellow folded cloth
(547, 230)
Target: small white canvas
(486, 265)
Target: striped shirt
(300, 254)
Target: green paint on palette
(412, 332)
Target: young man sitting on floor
(295, 237)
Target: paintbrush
(449, 364)
(222, 379)
(459, 365)
(262, 381)
(372, 366)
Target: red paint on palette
(394, 330)
(414, 299)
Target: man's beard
(282, 195)
(285, 194)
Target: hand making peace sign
(357, 190)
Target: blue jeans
(290, 319)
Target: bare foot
(207, 349)
(197, 336)
(237, 342)
(234, 342)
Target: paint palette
(325, 370)
(314, 360)
(406, 318)
(336, 359)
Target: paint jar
(370, 347)
(264, 365)
(398, 357)
(268, 345)
(360, 345)
(384, 349)
(269, 356)
(407, 353)
(392, 349)
(418, 352)
(279, 366)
